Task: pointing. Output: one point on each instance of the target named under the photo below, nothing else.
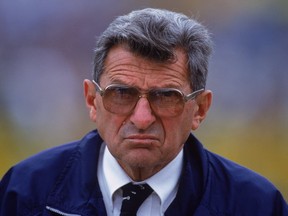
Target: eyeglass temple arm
(98, 88)
(193, 94)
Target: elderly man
(147, 94)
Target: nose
(142, 116)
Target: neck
(139, 174)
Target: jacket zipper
(60, 212)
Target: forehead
(125, 67)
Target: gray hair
(155, 34)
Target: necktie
(133, 197)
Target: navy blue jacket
(63, 181)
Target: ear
(89, 94)
(203, 103)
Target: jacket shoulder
(34, 177)
(233, 188)
(27, 185)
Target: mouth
(142, 140)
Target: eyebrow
(168, 85)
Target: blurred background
(46, 50)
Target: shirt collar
(113, 173)
(163, 183)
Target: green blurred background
(46, 50)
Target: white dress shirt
(112, 177)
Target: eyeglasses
(122, 99)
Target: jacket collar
(81, 194)
(193, 180)
(77, 190)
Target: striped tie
(133, 197)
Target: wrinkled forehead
(123, 65)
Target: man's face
(142, 140)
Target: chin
(143, 161)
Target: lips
(142, 140)
(142, 137)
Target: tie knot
(133, 196)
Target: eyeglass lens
(123, 99)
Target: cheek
(174, 134)
(108, 125)
(180, 128)
(108, 128)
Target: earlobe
(89, 94)
(203, 104)
(92, 114)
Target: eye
(121, 94)
(121, 91)
(166, 97)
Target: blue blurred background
(46, 50)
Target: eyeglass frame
(186, 98)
